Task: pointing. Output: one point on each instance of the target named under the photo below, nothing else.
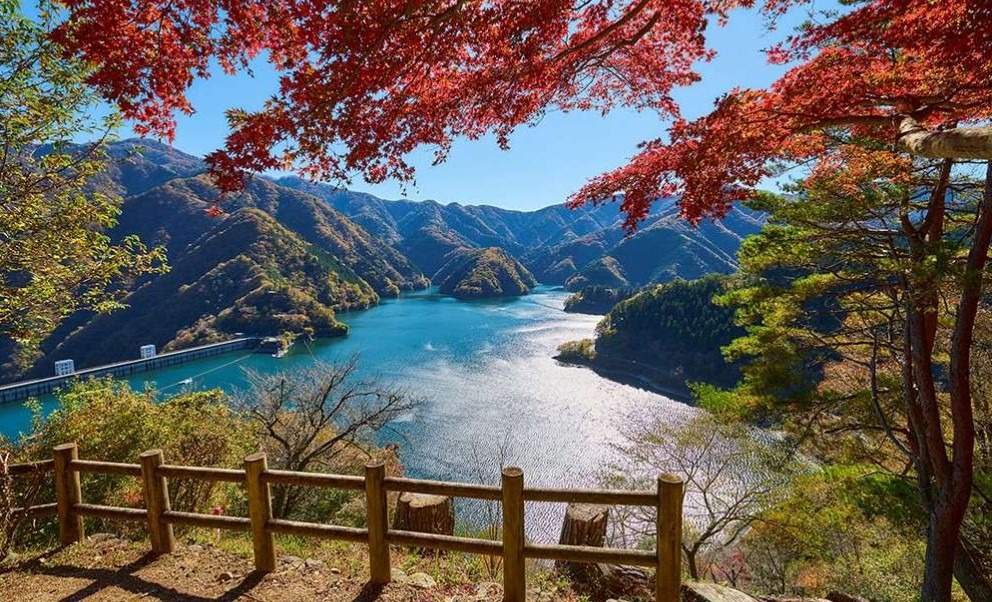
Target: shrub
(112, 422)
(583, 350)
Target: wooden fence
(155, 474)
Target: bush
(577, 351)
(114, 423)
(843, 528)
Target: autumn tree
(317, 419)
(55, 255)
(364, 83)
(731, 474)
(827, 294)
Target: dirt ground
(115, 569)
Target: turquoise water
(492, 394)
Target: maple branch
(956, 143)
(606, 31)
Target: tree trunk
(955, 477)
(434, 514)
(584, 525)
(970, 576)
(957, 143)
(955, 499)
(938, 571)
(690, 563)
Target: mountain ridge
(345, 250)
(555, 243)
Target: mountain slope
(555, 243)
(483, 273)
(276, 260)
(173, 213)
(247, 274)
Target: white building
(147, 351)
(65, 367)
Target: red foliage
(861, 72)
(363, 83)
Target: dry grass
(211, 571)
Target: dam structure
(21, 391)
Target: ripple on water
(492, 393)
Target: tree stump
(422, 513)
(584, 525)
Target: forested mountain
(585, 246)
(670, 333)
(481, 273)
(285, 255)
(246, 273)
(275, 260)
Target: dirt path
(115, 569)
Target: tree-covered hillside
(671, 333)
(677, 317)
(246, 274)
(275, 260)
(481, 273)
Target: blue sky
(545, 162)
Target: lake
(491, 391)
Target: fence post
(157, 502)
(375, 501)
(260, 512)
(67, 493)
(514, 579)
(668, 578)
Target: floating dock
(24, 390)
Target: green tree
(860, 300)
(805, 545)
(55, 255)
(112, 422)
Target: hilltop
(481, 273)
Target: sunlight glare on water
(491, 391)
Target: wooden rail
(512, 494)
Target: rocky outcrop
(713, 592)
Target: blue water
(492, 394)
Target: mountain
(246, 273)
(575, 248)
(276, 260)
(605, 271)
(173, 213)
(482, 273)
(287, 255)
(665, 247)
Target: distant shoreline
(616, 372)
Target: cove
(491, 392)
